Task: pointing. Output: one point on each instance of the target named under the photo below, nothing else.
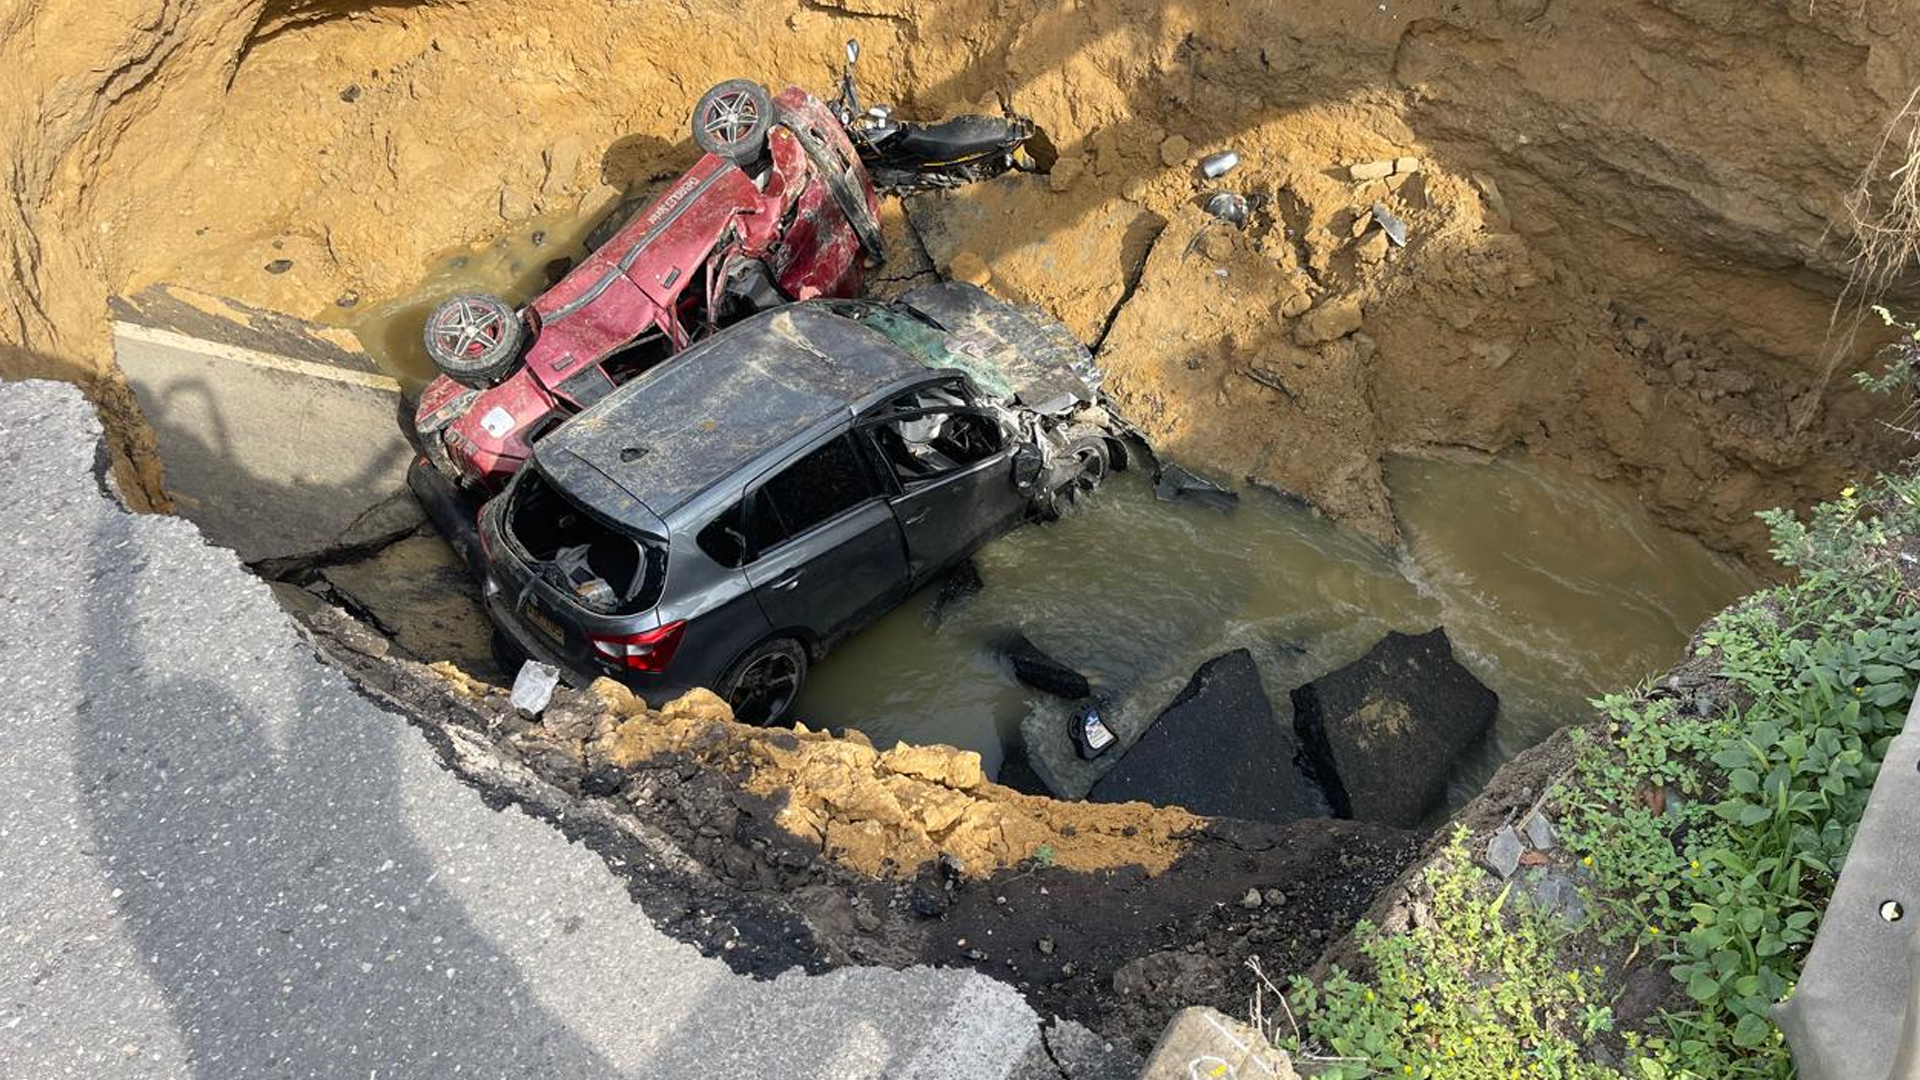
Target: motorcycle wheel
(732, 120)
(474, 339)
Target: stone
(698, 704)
(1034, 668)
(1274, 898)
(1332, 320)
(958, 769)
(562, 160)
(1406, 166)
(1251, 901)
(1503, 851)
(969, 267)
(1174, 150)
(1045, 946)
(1370, 170)
(1373, 249)
(1217, 750)
(515, 205)
(1385, 732)
(1294, 304)
(1206, 1043)
(1539, 831)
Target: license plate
(544, 623)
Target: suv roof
(693, 421)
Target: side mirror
(853, 50)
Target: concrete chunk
(1207, 1043)
(1370, 170)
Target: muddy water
(1553, 589)
(516, 266)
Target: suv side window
(732, 538)
(823, 485)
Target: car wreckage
(724, 518)
(781, 206)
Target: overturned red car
(779, 208)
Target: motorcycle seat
(960, 139)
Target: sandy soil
(1626, 224)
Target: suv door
(828, 553)
(952, 463)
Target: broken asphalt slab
(222, 859)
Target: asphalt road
(218, 860)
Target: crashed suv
(724, 518)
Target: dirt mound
(876, 812)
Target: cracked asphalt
(219, 860)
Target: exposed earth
(1629, 265)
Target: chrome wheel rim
(731, 117)
(465, 329)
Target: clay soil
(1626, 229)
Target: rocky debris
(1335, 318)
(1503, 852)
(1369, 170)
(718, 793)
(871, 811)
(1206, 1043)
(1384, 732)
(1217, 750)
(1035, 668)
(1539, 831)
(1174, 150)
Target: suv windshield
(599, 567)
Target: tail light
(650, 651)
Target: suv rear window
(600, 567)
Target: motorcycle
(903, 156)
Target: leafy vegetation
(1710, 824)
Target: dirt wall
(1626, 233)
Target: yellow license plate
(545, 624)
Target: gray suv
(724, 518)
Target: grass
(1711, 827)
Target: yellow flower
(1369, 996)
(1846, 493)
(1653, 929)
(1587, 861)
(1408, 1069)
(1694, 864)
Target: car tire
(731, 121)
(762, 686)
(1094, 460)
(474, 339)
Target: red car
(780, 208)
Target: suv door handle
(786, 581)
(915, 519)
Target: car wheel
(1090, 463)
(474, 339)
(763, 685)
(732, 119)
